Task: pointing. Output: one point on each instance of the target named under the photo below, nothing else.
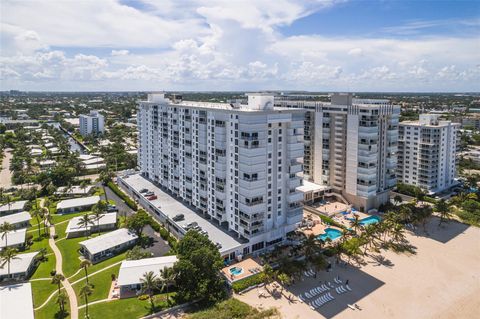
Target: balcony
(251, 185)
(295, 197)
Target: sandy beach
(442, 280)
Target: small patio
(241, 270)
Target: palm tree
(462, 197)
(106, 176)
(6, 256)
(310, 247)
(38, 215)
(86, 291)
(61, 301)
(405, 212)
(84, 185)
(47, 219)
(98, 210)
(149, 285)
(85, 263)
(355, 222)
(42, 253)
(398, 233)
(57, 280)
(167, 278)
(397, 199)
(5, 228)
(284, 280)
(268, 274)
(85, 222)
(443, 209)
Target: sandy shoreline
(5, 174)
(441, 281)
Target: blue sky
(324, 45)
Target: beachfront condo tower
(426, 153)
(350, 145)
(238, 164)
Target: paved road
(158, 246)
(72, 297)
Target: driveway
(158, 246)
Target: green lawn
(101, 282)
(44, 268)
(50, 310)
(69, 250)
(99, 266)
(41, 290)
(123, 308)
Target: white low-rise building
(36, 152)
(105, 222)
(21, 267)
(74, 190)
(16, 301)
(15, 238)
(132, 271)
(77, 204)
(17, 220)
(107, 245)
(13, 207)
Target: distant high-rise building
(426, 153)
(92, 123)
(235, 163)
(350, 145)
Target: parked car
(204, 232)
(178, 217)
(152, 197)
(143, 190)
(149, 194)
(190, 225)
(112, 208)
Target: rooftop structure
(13, 207)
(14, 238)
(131, 271)
(16, 301)
(107, 245)
(17, 220)
(74, 190)
(77, 204)
(105, 222)
(165, 207)
(20, 267)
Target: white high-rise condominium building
(92, 123)
(237, 164)
(350, 145)
(426, 153)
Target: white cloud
(119, 52)
(215, 45)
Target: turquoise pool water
(370, 220)
(331, 233)
(236, 271)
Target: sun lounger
(330, 285)
(348, 288)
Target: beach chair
(348, 288)
(330, 285)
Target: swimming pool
(370, 220)
(236, 270)
(331, 233)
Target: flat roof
(312, 187)
(131, 271)
(16, 218)
(16, 301)
(108, 240)
(94, 160)
(170, 207)
(78, 202)
(13, 206)
(14, 237)
(73, 190)
(20, 264)
(105, 219)
(94, 166)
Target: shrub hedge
(327, 219)
(122, 195)
(243, 284)
(172, 241)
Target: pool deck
(247, 265)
